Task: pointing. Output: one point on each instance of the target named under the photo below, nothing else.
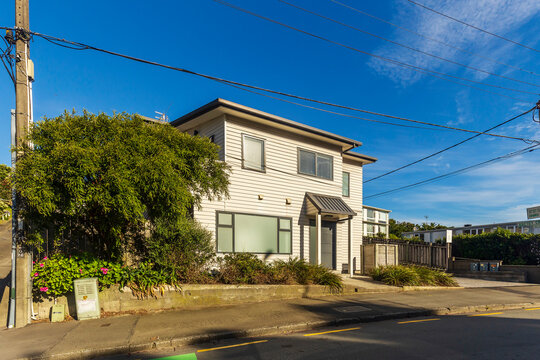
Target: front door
(328, 242)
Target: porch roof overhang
(328, 205)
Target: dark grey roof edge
(246, 110)
(313, 198)
(360, 156)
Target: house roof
(222, 106)
(330, 204)
(376, 208)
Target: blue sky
(208, 37)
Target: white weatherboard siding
(355, 202)
(281, 181)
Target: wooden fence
(425, 254)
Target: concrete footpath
(173, 329)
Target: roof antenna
(161, 116)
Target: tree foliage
(397, 228)
(512, 248)
(5, 183)
(102, 180)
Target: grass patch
(403, 275)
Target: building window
(370, 229)
(383, 217)
(370, 214)
(250, 233)
(345, 187)
(253, 153)
(315, 164)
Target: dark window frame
(233, 223)
(263, 170)
(348, 184)
(316, 167)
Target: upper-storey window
(345, 187)
(253, 153)
(370, 214)
(315, 164)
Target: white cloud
(500, 17)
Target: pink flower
(36, 274)
(44, 289)
(33, 262)
(41, 265)
(80, 270)
(45, 258)
(104, 270)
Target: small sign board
(58, 313)
(533, 213)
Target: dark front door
(328, 242)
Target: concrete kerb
(277, 330)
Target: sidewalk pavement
(170, 329)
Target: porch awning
(327, 204)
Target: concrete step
(511, 276)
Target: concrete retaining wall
(533, 271)
(190, 296)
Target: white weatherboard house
(294, 190)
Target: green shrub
(511, 248)
(305, 273)
(243, 268)
(53, 277)
(184, 249)
(401, 275)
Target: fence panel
(424, 254)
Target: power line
(434, 40)
(333, 112)
(465, 169)
(390, 60)
(221, 80)
(410, 47)
(452, 146)
(472, 26)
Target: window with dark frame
(315, 164)
(253, 156)
(346, 184)
(251, 233)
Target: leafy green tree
(397, 228)
(106, 181)
(5, 183)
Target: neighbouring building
(524, 227)
(295, 190)
(375, 221)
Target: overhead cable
(222, 80)
(455, 145)
(472, 26)
(410, 47)
(465, 169)
(492, 60)
(383, 58)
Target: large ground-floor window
(238, 232)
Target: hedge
(511, 248)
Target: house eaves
(221, 106)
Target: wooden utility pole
(23, 117)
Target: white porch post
(351, 270)
(319, 237)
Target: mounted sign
(533, 213)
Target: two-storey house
(294, 190)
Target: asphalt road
(511, 334)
